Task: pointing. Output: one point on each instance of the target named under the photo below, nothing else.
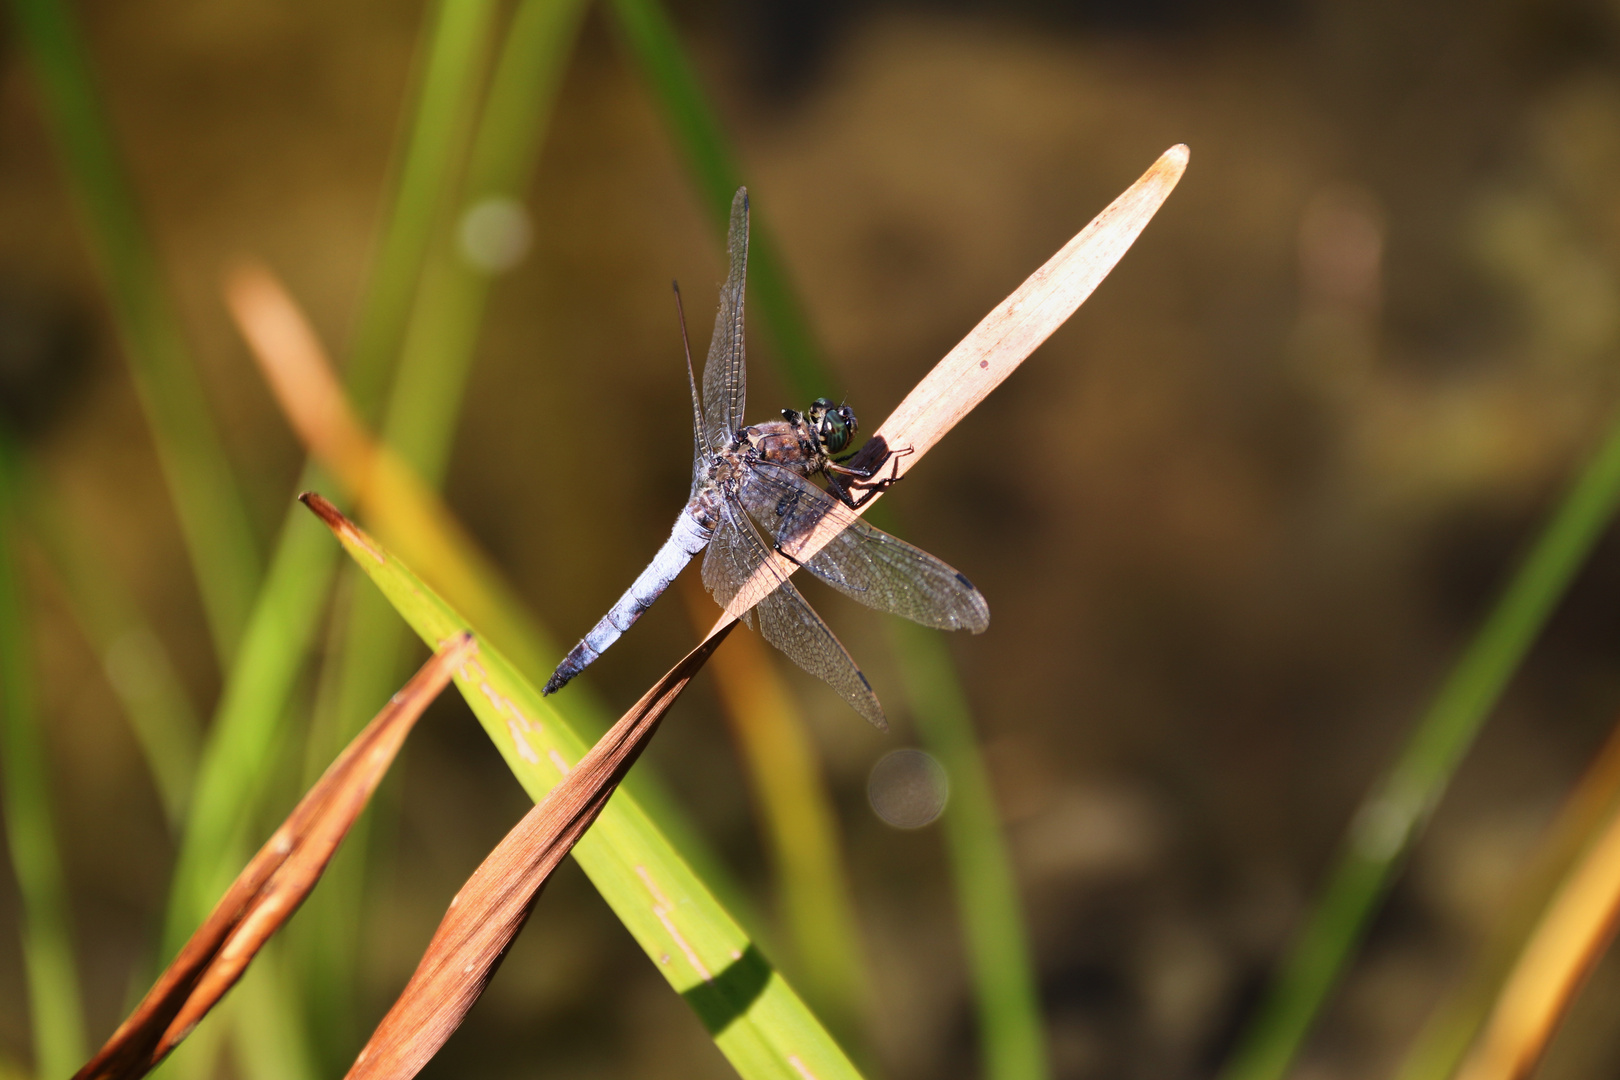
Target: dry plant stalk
(404, 510)
(991, 351)
(1567, 944)
(493, 905)
(272, 885)
(301, 377)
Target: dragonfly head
(834, 425)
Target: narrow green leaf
(1397, 808)
(456, 45)
(756, 1019)
(986, 887)
(800, 826)
(137, 665)
(235, 764)
(650, 36)
(53, 982)
(213, 516)
(439, 342)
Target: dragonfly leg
(862, 479)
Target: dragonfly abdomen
(686, 539)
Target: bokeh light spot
(495, 234)
(908, 789)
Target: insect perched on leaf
(751, 496)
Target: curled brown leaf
(272, 885)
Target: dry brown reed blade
(989, 353)
(493, 905)
(272, 885)
(1571, 937)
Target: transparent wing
(862, 562)
(785, 619)
(723, 371)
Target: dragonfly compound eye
(836, 429)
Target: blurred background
(1235, 521)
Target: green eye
(834, 432)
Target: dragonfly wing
(862, 561)
(786, 620)
(723, 373)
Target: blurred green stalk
(53, 982)
(647, 31)
(237, 760)
(213, 517)
(1014, 1042)
(1393, 814)
(986, 887)
(452, 68)
(259, 689)
(438, 346)
(137, 665)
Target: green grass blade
(1392, 816)
(800, 824)
(445, 321)
(53, 983)
(985, 885)
(235, 764)
(647, 31)
(213, 516)
(137, 665)
(258, 689)
(455, 51)
(756, 1019)
(439, 343)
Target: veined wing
(863, 562)
(785, 619)
(723, 371)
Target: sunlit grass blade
(286, 615)
(1392, 815)
(650, 36)
(1014, 1036)
(54, 1005)
(445, 319)
(814, 896)
(756, 1019)
(455, 50)
(137, 664)
(239, 754)
(489, 911)
(422, 409)
(1447, 1034)
(213, 517)
(272, 885)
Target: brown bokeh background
(1234, 520)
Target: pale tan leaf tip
(990, 352)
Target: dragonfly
(752, 497)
